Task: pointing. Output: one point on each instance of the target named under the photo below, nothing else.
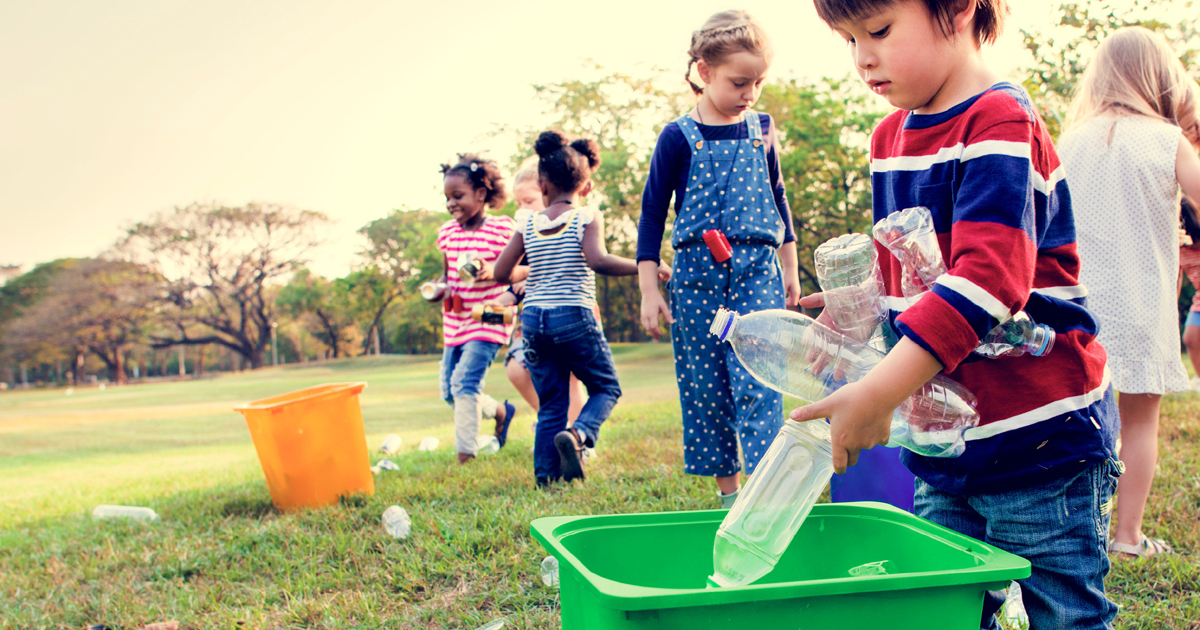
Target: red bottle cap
(718, 245)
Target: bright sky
(111, 111)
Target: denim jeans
(1060, 526)
(463, 369)
(561, 341)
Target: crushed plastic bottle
(773, 504)
(433, 291)
(428, 443)
(794, 354)
(1014, 607)
(870, 568)
(549, 571)
(124, 511)
(396, 522)
(1017, 336)
(391, 444)
(467, 269)
(853, 289)
(910, 236)
(487, 444)
(384, 464)
(495, 624)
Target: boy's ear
(704, 71)
(964, 18)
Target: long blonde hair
(722, 35)
(1135, 71)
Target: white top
(1121, 172)
(558, 272)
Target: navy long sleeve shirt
(669, 167)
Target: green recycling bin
(634, 571)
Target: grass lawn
(221, 557)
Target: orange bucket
(311, 444)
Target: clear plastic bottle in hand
(794, 354)
(1017, 336)
(774, 503)
(853, 289)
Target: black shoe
(570, 445)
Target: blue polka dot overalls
(728, 190)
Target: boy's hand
(664, 271)
(857, 421)
(652, 305)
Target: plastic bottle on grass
(549, 571)
(774, 503)
(794, 354)
(396, 522)
(428, 443)
(391, 444)
(124, 511)
(487, 444)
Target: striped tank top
(558, 272)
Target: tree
(326, 308)
(624, 114)
(401, 253)
(220, 263)
(105, 307)
(20, 294)
(1062, 54)
(824, 130)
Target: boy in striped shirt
(1039, 472)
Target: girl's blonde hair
(722, 35)
(528, 171)
(1135, 71)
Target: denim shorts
(1060, 526)
(1193, 318)
(516, 352)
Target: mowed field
(221, 557)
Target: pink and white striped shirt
(487, 241)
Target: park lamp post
(274, 344)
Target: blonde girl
(1128, 149)
(720, 163)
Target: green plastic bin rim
(997, 568)
(304, 395)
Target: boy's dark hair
(480, 173)
(989, 14)
(566, 166)
(1189, 217)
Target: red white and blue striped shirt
(988, 171)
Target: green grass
(221, 557)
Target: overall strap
(695, 139)
(753, 124)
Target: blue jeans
(1060, 526)
(463, 369)
(561, 341)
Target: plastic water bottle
(853, 289)
(396, 522)
(1017, 336)
(794, 354)
(771, 507)
(910, 236)
(428, 443)
(487, 444)
(124, 511)
(391, 444)
(549, 570)
(384, 464)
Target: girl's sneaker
(570, 447)
(502, 426)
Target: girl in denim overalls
(732, 231)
